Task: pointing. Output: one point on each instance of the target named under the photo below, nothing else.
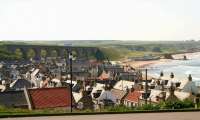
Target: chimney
(172, 89)
(107, 87)
(132, 89)
(190, 77)
(161, 74)
(172, 75)
(127, 90)
(84, 93)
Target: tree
(140, 48)
(99, 55)
(54, 53)
(31, 53)
(74, 53)
(43, 53)
(156, 49)
(19, 54)
(65, 54)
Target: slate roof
(20, 84)
(13, 99)
(50, 97)
(110, 82)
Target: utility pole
(70, 62)
(146, 83)
(146, 89)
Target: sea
(180, 68)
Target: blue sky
(99, 19)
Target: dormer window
(157, 98)
(165, 82)
(178, 84)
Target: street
(133, 116)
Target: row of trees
(143, 48)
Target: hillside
(116, 50)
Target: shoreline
(188, 55)
(143, 64)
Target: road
(133, 116)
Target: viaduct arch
(81, 52)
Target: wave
(181, 69)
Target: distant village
(90, 84)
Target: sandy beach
(188, 55)
(142, 64)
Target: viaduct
(81, 52)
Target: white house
(156, 94)
(184, 85)
(124, 85)
(36, 77)
(99, 93)
(188, 86)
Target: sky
(99, 19)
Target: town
(78, 82)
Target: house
(85, 102)
(2, 88)
(40, 98)
(157, 95)
(104, 76)
(96, 90)
(119, 94)
(133, 98)
(102, 95)
(106, 98)
(20, 84)
(14, 74)
(113, 68)
(188, 86)
(178, 95)
(75, 86)
(108, 82)
(77, 96)
(184, 85)
(54, 83)
(15, 99)
(35, 77)
(131, 76)
(123, 85)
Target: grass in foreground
(163, 106)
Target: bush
(148, 107)
(118, 108)
(177, 104)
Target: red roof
(50, 97)
(133, 96)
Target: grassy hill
(115, 49)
